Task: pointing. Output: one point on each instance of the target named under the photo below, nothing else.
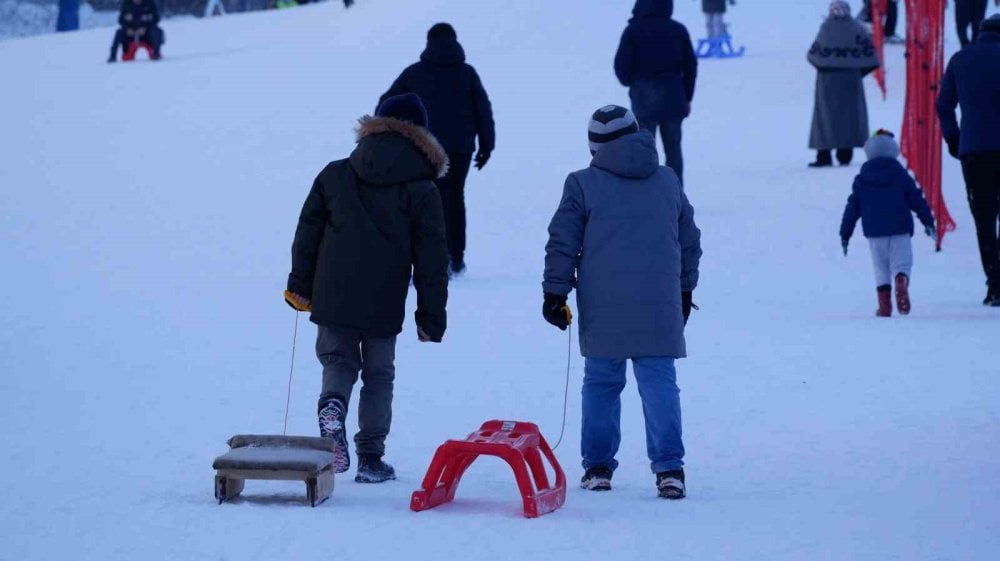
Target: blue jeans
(603, 382)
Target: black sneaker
(597, 479)
(331, 425)
(670, 484)
(371, 469)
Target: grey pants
(344, 354)
(716, 25)
(891, 255)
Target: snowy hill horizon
(148, 214)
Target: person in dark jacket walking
(369, 220)
(459, 111)
(842, 54)
(969, 13)
(139, 21)
(972, 82)
(883, 198)
(624, 237)
(656, 61)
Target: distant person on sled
(138, 20)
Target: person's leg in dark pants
(845, 155)
(378, 371)
(963, 16)
(977, 13)
(154, 36)
(824, 158)
(119, 40)
(452, 188)
(982, 184)
(891, 18)
(671, 133)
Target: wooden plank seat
(275, 457)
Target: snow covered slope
(148, 211)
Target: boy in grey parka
(624, 237)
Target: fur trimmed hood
(420, 138)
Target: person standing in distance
(656, 61)
(459, 111)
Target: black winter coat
(367, 222)
(656, 61)
(457, 104)
(133, 16)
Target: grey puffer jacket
(624, 236)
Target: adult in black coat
(139, 21)
(972, 83)
(367, 223)
(656, 61)
(459, 110)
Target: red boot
(903, 294)
(884, 301)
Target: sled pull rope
(569, 356)
(291, 368)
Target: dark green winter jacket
(367, 222)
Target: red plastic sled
(520, 444)
(133, 48)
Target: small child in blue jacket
(883, 197)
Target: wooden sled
(287, 458)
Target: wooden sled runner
(288, 458)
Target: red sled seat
(134, 46)
(520, 444)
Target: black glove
(953, 144)
(482, 157)
(686, 305)
(931, 231)
(843, 244)
(556, 311)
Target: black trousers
(982, 184)
(671, 135)
(891, 18)
(969, 12)
(153, 36)
(452, 189)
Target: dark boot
(597, 478)
(331, 425)
(845, 155)
(371, 469)
(670, 484)
(823, 159)
(884, 301)
(903, 294)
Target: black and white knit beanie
(609, 123)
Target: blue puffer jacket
(624, 236)
(656, 61)
(884, 197)
(972, 81)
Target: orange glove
(297, 302)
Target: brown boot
(903, 293)
(884, 301)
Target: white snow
(148, 211)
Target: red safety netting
(878, 38)
(921, 138)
